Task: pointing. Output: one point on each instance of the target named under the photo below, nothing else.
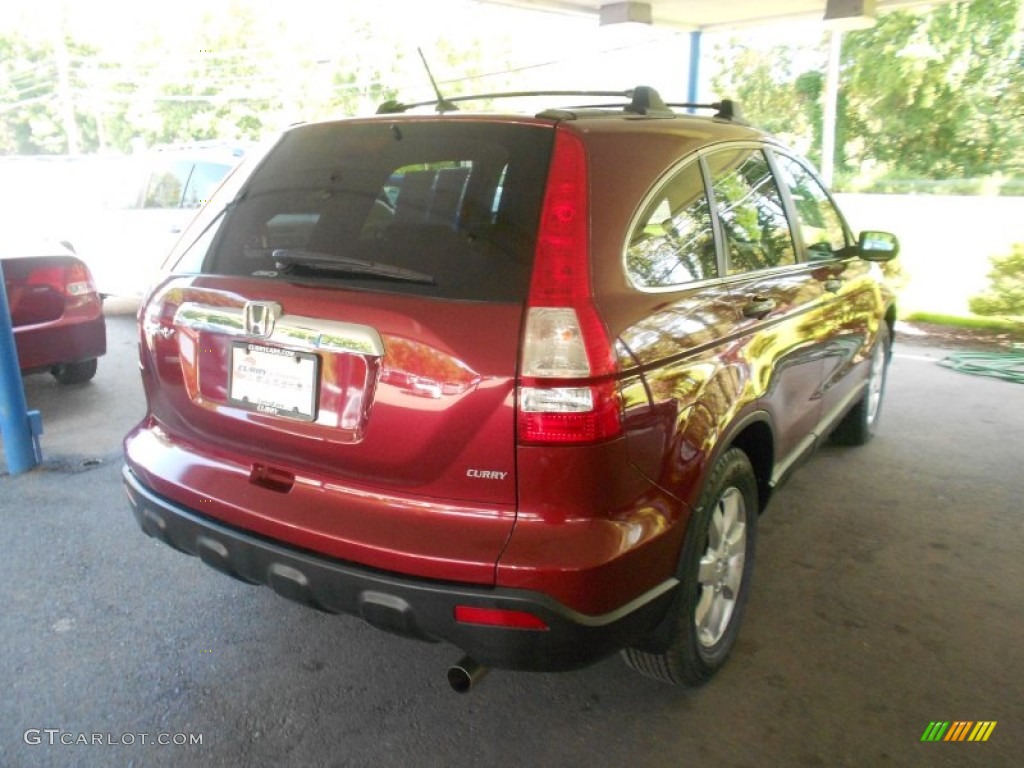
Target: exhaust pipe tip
(464, 674)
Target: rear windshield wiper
(331, 264)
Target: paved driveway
(887, 594)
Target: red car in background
(56, 312)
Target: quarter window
(750, 209)
(673, 243)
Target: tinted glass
(673, 243)
(757, 234)
(820, 224)
(455, 201)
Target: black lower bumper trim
(408, 606)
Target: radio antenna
(443, 105)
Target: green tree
(937, 95)
(772, 91)
(923, 95)
(234, 70)
(30, 116)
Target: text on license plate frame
(259, 380)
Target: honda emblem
(259, 318)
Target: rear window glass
(441, 208)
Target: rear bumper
(412, 607)
(62, 341)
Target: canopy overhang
(713, 15)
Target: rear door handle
(758, 307)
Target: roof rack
(643, 100)
(726, 109)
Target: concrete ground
(887, 595)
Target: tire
(74, 373)
(715, 571)
(858, 426)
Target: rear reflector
(497, 617)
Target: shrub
(1006, 294)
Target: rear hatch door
(351, 319)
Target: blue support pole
(21, 449)
(693, 92)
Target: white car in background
(120, 214)
(150, 199)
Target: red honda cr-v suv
(521, 383)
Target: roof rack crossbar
(643, 100)
(392, 107)
(726, 109)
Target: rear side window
(820, 225)
(443, 208)
(750, 209)
(673, 242)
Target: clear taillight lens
(556, 400)
(553, 344)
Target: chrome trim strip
(292, 331)
(802, 449)
(838, 411)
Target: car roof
(699, 128)
(640, 109)
(27, 247)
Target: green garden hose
(999, 365)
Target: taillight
(78, 281)
(569, 415)
(69, 281)
(566, 391)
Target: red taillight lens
(564, 337)
(569, 415)
(69, 279)
(561, 272)
(497, 617)
(49, 276)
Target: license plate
(272, 380)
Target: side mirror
(878, 246)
